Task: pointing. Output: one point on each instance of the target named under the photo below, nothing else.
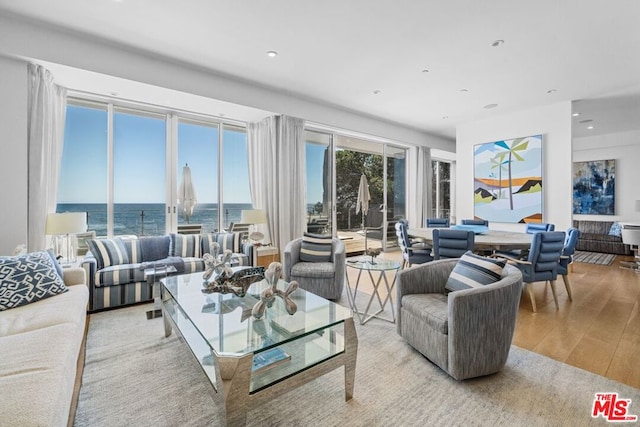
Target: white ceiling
(341, 52)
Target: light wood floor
(599, 331)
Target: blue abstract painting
(594, 187)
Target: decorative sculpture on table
(268, 296)
(225, 280)
(373, 252)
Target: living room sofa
(115, 267)
(597, 236)
(41, 356)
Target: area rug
(135, 376)
(593, 257)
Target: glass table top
(226, 324)
(365, 262)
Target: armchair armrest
(74, 276)
(291, 257)
(248, 249)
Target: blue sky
(140, 155)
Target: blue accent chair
(536, 228)
(543, 262)
(410, 254)
(452, 243)
(567, 257)
(437, 223)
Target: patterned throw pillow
(316, 248)
(108, 252)
(231, 241)
(185, 245)
(473, 271)
(28, 278)
(616, 229)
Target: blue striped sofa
(115, 267)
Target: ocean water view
(149, 219)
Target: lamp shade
(66, 223)
(253, 216)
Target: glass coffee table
(251, 361)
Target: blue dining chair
(542, 263)
(410, 254)
(452, 243)
(537, 227)
(484, 222)
(567, 257)
(437, 223)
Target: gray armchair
(322, 278)
(467, 333)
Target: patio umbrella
(187, 193)
(363, 197)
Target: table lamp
(254, 217)
(65, 224)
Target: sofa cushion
(28, 278)
(231, 241)
(154, 248)
(108, 252)
(316, 248)
(473, 271)
(600, 237)
(115, 274)
(313, 270)
(185, 245)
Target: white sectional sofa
(40, 344)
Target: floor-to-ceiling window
(383, 167)
(123, 166)
(319, 160)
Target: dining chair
(537, 227)
(452, 243)
(542, 263)
(484, 222)
(437, 223)
(410, 254)
(567, 257)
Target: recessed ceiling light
(590, 127)
(464, 90)
(425, 71)
(221, 114)
(272, 54)
(445, 117)
(585, 121)
(377, 91)
(113, 93)
(575, 114)
(552, 91)
(497, 43)
(490, 106)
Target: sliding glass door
(319, 182)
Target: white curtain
(45, 134)
(420, 177)
(276, 152)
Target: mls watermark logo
(612, 409)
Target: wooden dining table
(489, 240)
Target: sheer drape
(277, 178)
(420, 177)
(45, 120)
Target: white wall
(13, 154)
(553, 122)
(624, 147)
(27, 40)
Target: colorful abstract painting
(594, 187)
(508, 180)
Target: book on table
(269, 359)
